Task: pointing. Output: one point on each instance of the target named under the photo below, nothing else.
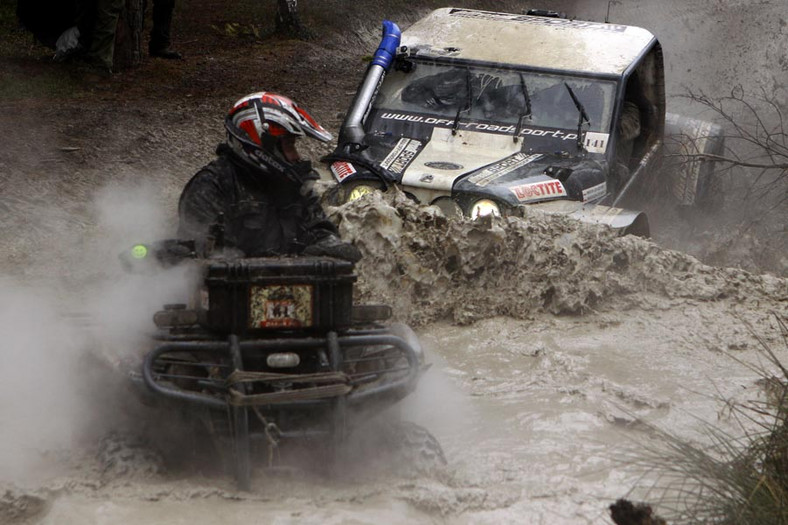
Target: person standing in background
(97, 21)
(159, 45)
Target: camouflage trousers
(98, 20)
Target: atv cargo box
(254, 296)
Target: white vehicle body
(482, 112)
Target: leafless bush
(742, 158)
(756, 141)
(735, 480)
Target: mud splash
(431, 267)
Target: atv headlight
(358, 192)
(484, 207)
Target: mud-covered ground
(549, 339)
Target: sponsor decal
(479, 126)
(538, 190)
(594, 192)
(287, 306)
(342, 170)
(539, 20)
(426, 178)
(443, 165)
(507, 165)
(596, 142)
(402, 155)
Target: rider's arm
(202, 201)
(316, 224)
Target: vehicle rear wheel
(692, 175)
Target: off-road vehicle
(480, 112)
(271, 351)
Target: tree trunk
(129, 35)
(287, 20)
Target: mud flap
(691, 179)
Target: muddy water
(535, 417)
(554, 403)
(536, 409)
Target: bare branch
(719, 158)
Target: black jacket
(263, 213)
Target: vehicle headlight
(358, 192)
(484, 207)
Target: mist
(67, 340)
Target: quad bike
(273, 350)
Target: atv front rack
(356, 370)
(235, 387)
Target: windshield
(500, 96)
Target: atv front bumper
(216, 374)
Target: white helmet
(257, 123)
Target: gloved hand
(332, 246)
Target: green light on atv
(140, 251)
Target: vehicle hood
(477, 163)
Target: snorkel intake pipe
(352, 134)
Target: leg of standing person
(102, 48)
(159, 45)
(85, 21)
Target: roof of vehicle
(531, 41)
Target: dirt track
(533, 394)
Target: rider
(259, 189)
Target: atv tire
(415, 448)
(240, 427)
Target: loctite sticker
(342, 170)
(538, 190)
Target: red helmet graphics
(257, 123)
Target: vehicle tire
(123, 455)
(415, 448)
(336, 443)
(241, 435)
(691, 179)
(240, 428)
(333, 196)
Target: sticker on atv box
(402, 155)
(499, 169)
(280, 306)
(342, 170)
(538, 190)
